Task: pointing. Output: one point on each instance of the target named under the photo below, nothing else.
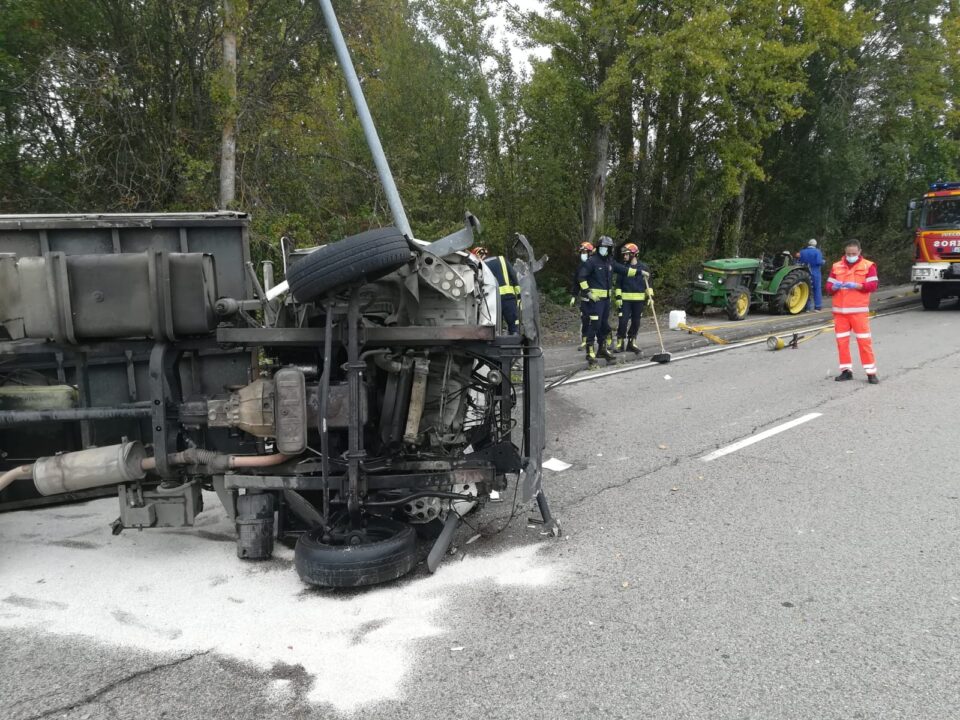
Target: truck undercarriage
(347, 418)
(377, 396)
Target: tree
(228, 144)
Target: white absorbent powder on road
(184, 590)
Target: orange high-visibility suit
(851, 309)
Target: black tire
(930, 296)
(389, 557)
(691, 307)
(735, 307)
(369, 255)
(786, 286)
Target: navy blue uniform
(812, 257)
(632, 292)
(596, 276)
(509, 290)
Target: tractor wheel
(738, 303)
(793, 293)
(930, 296)
(691, 307)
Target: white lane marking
(746, 442)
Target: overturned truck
(368, 396)
(377, 397)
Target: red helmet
(631, 248)
(586, 247)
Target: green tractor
(737, 284)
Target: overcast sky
(521, 56)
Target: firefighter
(586, 250)
(631, 294)
(596, 281)
(852, 279)
(813, 258)
(508, 284)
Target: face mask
(603, 251)
(583, 257)
(852, 258)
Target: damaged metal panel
(534, 398)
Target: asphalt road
(812, 574)
(714, 328)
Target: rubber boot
(583, 344)
(632, 347)
(591, 357)
(618, 348)
(873, 379)
(844, 375)
(604, 352)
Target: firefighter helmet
(630, 248)
(606, 241)
(480, 251)
(586, 247)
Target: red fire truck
(936, 266)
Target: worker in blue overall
(509, 287)
(596, 281)
(576, 295)
(813, 258)
(630, 297)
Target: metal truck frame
(368, 396)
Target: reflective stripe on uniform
(847, 366)
(850, 310)
(862, 335)
(584, 285)
(594, 317)
(600, 293)
(634, 296)
(506, 288)
(843, 334)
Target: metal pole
(366, 121)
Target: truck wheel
(384, 550)
(793, 293)
(930, 296)
(738, 303)
(370, 255)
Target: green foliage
(694, 128)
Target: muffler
(91, 468)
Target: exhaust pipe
(116, 464)
(21, 472)
(91, 468)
